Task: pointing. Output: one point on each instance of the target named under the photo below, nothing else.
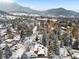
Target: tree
(44, 40)
(7, 52)
(74, 30)
(56, 46)
(1, 53)
(76, 44)
(69, 41)
(0, 39)
(24, 56)
(53, 47)
(8, 31)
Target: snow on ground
(1, 25)
(9, 40)
(75, 53)
(17, 37)
(2, 45)
(63, 51)
(68, 57)
(2, 32)
(40, 58)
(35, 29)
(18, 53)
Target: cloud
(7, 1)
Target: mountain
(61, 12)
(14, 7)
(4, 13)
(5, 16)
(2, 16)
(58, 12)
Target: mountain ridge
(15, 7)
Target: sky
(47, 4)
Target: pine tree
(1, 53)
(53, 47)
(7, 52)
(44, 41)
(24, 56)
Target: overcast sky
(47, 4)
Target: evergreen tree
(24, 56)
(69, 41)
(1, 53)
(8, 31)
(44, 41)
(7, 52)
